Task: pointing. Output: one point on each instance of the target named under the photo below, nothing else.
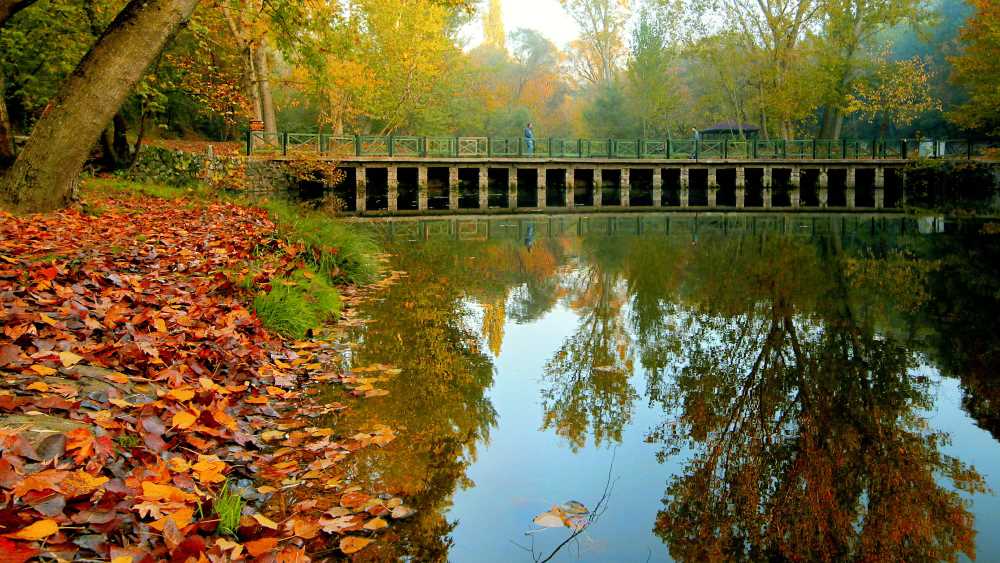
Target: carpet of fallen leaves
(135, 384)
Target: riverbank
(160, 352)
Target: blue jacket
(528, 133)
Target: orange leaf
(259, 547)
(353, 544)
(183, 419)
(36, 531)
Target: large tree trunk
(45, 173)
(263, 72)
(832, 120)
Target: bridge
(396, 175)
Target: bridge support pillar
(849, 196)
(765, 195)
(484, 187)
(794, 179)
(361, 195)
(879, 177)
(823, 181)
(625, 188)
(570, 188)
(453, 188)
(422, 188)
(541, 186)
(657, 187)
(512, 188)
(711, 187)
(393, 184)
(741, 196)
(879, 198)
(741, 177)
(767, 178)
(824, 197)
(794, 196)
(598, 187)
(850, 178)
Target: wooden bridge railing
(291, 144)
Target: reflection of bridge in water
(675, 225)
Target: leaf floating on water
(574, 507)
(549, 520)
(353, 544)
(402, 511)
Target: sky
(546, 16)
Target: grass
(228, 507)
(340, 252)
(298, 304)
(116, 186)
(128, 441)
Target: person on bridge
(529, 139)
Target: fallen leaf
(376, 524)
(69, 359)
(42, 370)
(265, 521)
(40, 386)
(183, 419)
(353, 544)
(259, 547)
(36, 531)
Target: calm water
(771, 387)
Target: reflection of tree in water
(587, 380)
(807, 444)
(437, 405)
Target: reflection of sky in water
(523, 472)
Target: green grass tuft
(341, 252)
(228, 507)
(294, 306)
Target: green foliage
(164, 166)
(228, 507)
(298, 304)
(339, 252)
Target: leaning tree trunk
(46, 171)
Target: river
(735, 387)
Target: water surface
(742, 387)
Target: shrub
(297, 305)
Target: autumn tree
(849, 31)
(601, 48)
(46, 172)
(493, 26)
(977, 68)
(896, 95)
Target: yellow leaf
(181, 394)
(353, 544)
(122, 559)
(376, 524)
(47, 319)
(265, 521)
(36, 531)
(183, 419)
(42, 370)
(159, 325)
(38, 386)
(69, 359)
(182, 517)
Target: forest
(650, 68)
